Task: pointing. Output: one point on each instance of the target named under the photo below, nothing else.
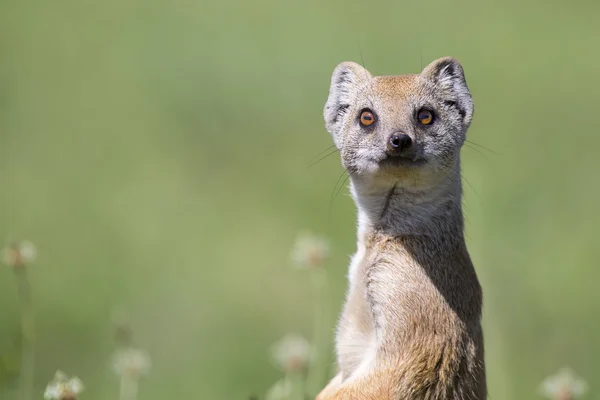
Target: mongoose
(411, 325)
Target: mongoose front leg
(332, 387)
(377, 386)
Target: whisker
(482, 146)
(462, 200)
(337, 182)
(324, 151)
(341, 187)
(477, 150)
(362, 60)
(334, 192)
(446, 173)
(465, 179)
(323, 157)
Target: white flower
(18, 254)
(292, 353)
(309, 251)
(281, 390)
(131, 362)
(563, 385)
(63, 388)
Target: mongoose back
(411, 325)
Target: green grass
(157, 153)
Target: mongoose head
(395, 129)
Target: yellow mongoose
(411, 325)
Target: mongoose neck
(396, 209)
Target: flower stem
(296, 381)
(27, 334)
(129, 388)
(317, 373)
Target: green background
(157, 154)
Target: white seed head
(63, 388)
(131, 362)
(60, 376)
(310, 251)
(281, 390)
(563, 385)
(292, 353)
(18, 254)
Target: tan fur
(410, 328)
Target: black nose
(399, 142)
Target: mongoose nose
(399, 142)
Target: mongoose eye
(366, 118)
(425, 117)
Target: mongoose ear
(346, 81)
(448, 77)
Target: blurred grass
(157, 152)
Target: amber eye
(367, 118)
(425, 117)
